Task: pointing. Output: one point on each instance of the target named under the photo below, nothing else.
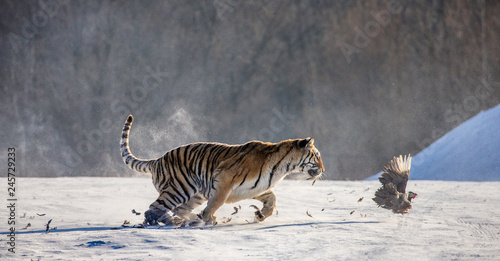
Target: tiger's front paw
(210, 220)
(259, 216)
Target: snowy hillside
(470, 152)
(449, 220)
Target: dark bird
(392, 195)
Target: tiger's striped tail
(132, 161)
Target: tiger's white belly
(246, 191)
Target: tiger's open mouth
(315, 175)
(314, 172)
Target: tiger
(218, 173)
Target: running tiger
(189, 175)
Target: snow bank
(470, 152)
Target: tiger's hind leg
(269, 201)
(155, 214)
(158, 210)
(185, 210)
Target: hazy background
(367, 79)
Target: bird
(392, 195)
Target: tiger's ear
(306, 143)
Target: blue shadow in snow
(90, 229)
(319, 223)
(59, 230)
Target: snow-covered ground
(449, 221)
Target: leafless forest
(367, 79)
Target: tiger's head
(310, 161)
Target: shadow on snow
(226, 226)
(61, 230)
(319, 223)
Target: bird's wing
(386, 195)
(397, 172)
